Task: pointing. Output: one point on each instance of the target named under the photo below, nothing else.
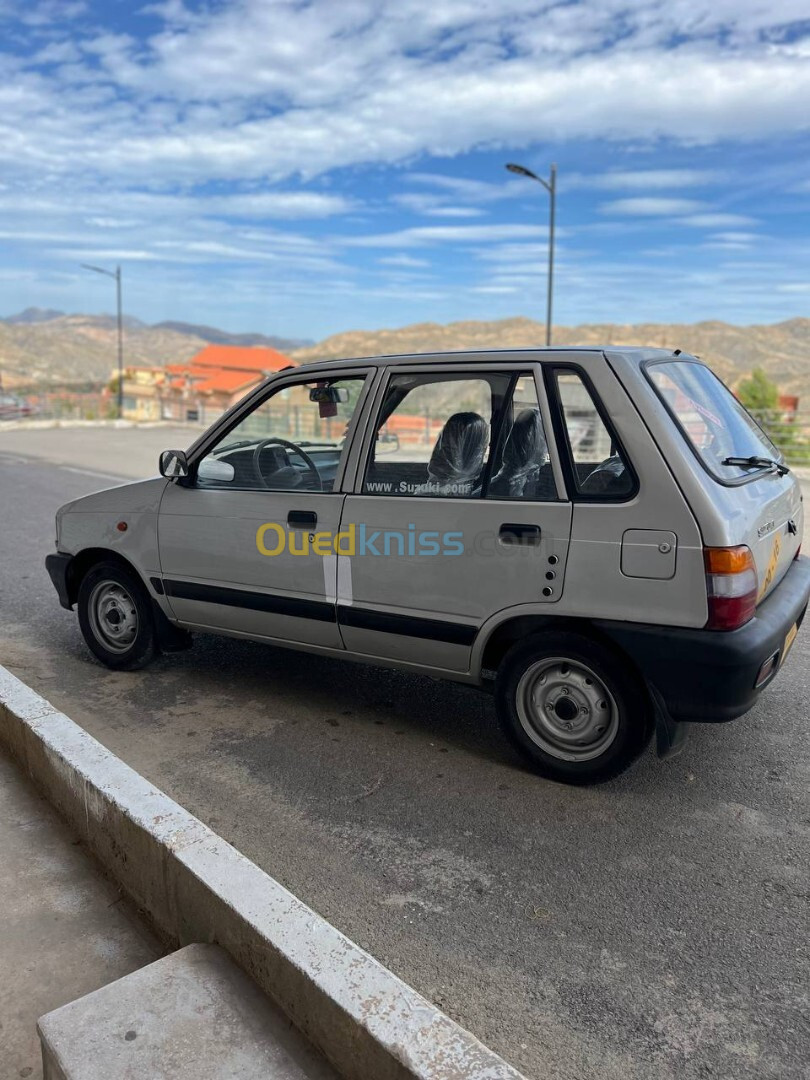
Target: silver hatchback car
(605, 537)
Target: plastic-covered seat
(608, 478)
(524, 452)
(458, 456)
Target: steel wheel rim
(113, 616)
(566, 709)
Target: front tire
(572, 708)
(115, 617)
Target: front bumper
(58, 567)
(709, 676)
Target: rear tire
(115, 617)
(573, 709)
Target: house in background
(202, 389)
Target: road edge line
(198, 888)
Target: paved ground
(655, 927)
(114, 452)
(66, 930)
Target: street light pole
(551, 187)
(116, 275)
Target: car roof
(633, 353)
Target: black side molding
(346, 615)
(253, 601)
(406, 625)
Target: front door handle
(517, 533)
(302, 519)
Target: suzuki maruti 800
(604, 536)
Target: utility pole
(551, 187)
(116, 275)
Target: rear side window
(433, 434)
(520, 466)
(600, 471)
(714, 423)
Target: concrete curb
(197, 888)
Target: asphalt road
(655, 927)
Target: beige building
(201, 390)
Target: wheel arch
(490, 648)
(86, 559)
(171, 638)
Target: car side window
(291, 441)
(433, 433)
(599, 467)
(520, 463)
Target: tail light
(731, 586)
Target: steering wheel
(307, 460)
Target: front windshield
(713, 421)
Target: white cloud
(430, 206)
(275, 204)
(737, 237)
(440, 234)
(252, 90)
(651, 206)
(645, 179)
(402, 260)
(716, 221)
(184, 147)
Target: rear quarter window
(711, 419)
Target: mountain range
(41, 347)
(782, 349)
(45, 347)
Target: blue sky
(303, 168)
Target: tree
(758, 394)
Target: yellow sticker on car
(773, 562)
(791, 637)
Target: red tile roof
(242, 358)
(224, 380)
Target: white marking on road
(330, 577)
(344, 579)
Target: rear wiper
(757, 462)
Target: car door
(239, 537)
(457, 511)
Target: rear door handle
(517, 533)
(302, 519)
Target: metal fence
(59, 405)
(790, 431)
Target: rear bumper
(709, 676)
(58, 567)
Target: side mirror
(173, 464)
(211, 469)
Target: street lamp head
(98, 270)
(521, 170)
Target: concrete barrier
(195, 887)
